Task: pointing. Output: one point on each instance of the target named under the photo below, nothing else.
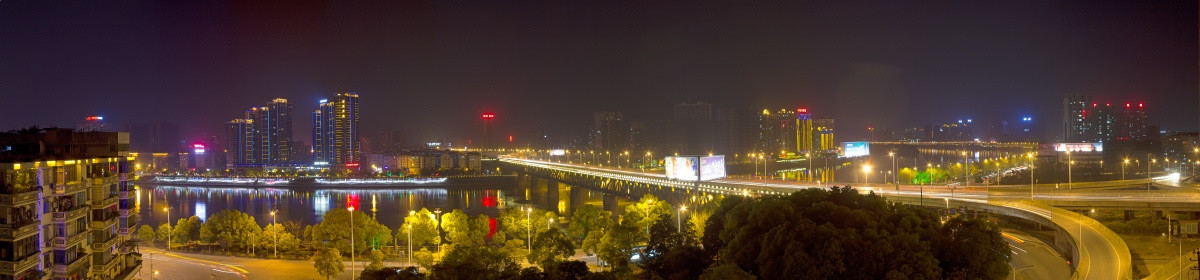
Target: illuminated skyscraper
(824, 140)
(1075, 110)
(804, 131)
(272, 132)
(335, 131)
(239, 142)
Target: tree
(772, 237)
(474, 262)
(391, 273)
(164, 233)
(645, 212)
(514, 222)
(287, 241)
(423, 226)
(146, 234)
(550, 247)
(586, 219)
(967, 250)
(458, 228)
(333, 231)
(726, 272)
(328, 262)
(480, 228)
(672, 252)
(424, 258)
(376, 260)
(230, 229)
(187, 230)
(616, 246)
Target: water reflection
(309, 206)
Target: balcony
(70, 215)
(60, 242)
(69, 188)
(20, 199)
(104, 181)
(104, 224)
(132, 267)
(7, 232)
(12, 268)
(62, 270)
(106, 245)
(107, 268)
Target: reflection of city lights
(202, 211)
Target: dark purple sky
(430, 68)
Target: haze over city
(429, 68)
(574, 140)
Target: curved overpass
(1098, 252)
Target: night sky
(430, 68)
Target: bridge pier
(552, 197)
(1128, 215)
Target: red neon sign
(93, 118)
(351, 164)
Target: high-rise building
(335, 131)
(804, 131)
(239, 142)
(693, 111)
(1132, 123)
(93, 123)
(737, 130)
(777, 131)
(609, 132)
(155, 138)
(389, 142)
(69, 211)
(272, 132)
(1075, 128)
(824, 140)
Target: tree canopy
(841, 234)
(333, 231)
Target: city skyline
(437, 66)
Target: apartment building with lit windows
(66, 206)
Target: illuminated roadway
(1102, 255)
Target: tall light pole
(1070, 162)
(169, 233)
(1030, 155)
(866, 169)
(437, 218)
(1123, 164)
(892, 154)
(679, 218)
(409, 228)
(275, 233)
(528, 229)
(966, 174)
(351, 210)
(808, 158)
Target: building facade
(66, 206)
(336, 131)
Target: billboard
(686, 167)
(1079, 147)
(558, 152)
(856, 149)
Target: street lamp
(892, 154)
(1123, 164)
(966, 168)
(351, 209)
(1030, 155)
(528, 229)
(168, 211)
(866, 169)
(808, 158)
(409, 227)
(679, 218)
(1070, 162)
(437, 218)
(275, 233)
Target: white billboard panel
(685, 167)
(856, 149)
